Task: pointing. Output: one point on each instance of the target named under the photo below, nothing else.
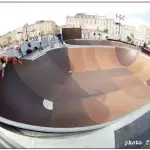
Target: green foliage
(132, 36)
(9, 38)
(128, 39)
(42, 32)
(105, 31)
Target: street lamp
(120, 17)
(26, 32)
(21, 35)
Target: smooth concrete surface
(136, 65)
(103, 84)
(100, 138)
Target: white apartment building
(143, 33)
(91, 24)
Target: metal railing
(24, 46)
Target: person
(60, 38)
(145, 45)
(94, 35)
(8, 60)
(40, 41)
(50, 37)
(17, 47)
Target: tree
(132, 36)
(105, 30)
(128, 39)
(99, 35)
(42, 32)
(9, 38)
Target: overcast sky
(13, 15)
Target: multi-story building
(91, 24)
(87, 22)
(143, 33)
(8, 38)
(43, 27)
(21, 33)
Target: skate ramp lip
(96, 42)
(83, 100)
(116, 124)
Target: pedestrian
(94, 35)
(17, 47)
(60, 38)
(50, 38)
(40, 41)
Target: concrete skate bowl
(97, 42)
(105, 85)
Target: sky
(14, 15)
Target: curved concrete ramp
(105, 84)
(97, 42)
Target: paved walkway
(38, 53)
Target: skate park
(88, 89)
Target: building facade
(43, 27)
(8, 38)
(27, 31)
(143, 33)
(91, 24)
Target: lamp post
(21, 35)
(120, 17)
(26, 31)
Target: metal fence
(24, 46)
